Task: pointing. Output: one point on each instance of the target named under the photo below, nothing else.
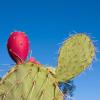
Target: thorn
(97, 50)
(91, 67)
(30, 53)
(89, 33)
(31, 90)
(69, 97)
(74, 32)
(96, 59)
(95, 40)
(70, 35)
(41, 95)
(6, 64)
(2, 70)
(93, 37)
(59, 43)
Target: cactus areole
(18, 46)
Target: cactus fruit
(30, 81)
(33, 60)
(18, 46)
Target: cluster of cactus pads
(30, 80)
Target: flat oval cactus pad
(75, 56)
(29, 82)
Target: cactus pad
(75, 56)
(29, 82)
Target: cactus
(76, 54)
(31, 81)
(18, 46)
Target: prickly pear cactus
(29, 81)
(75, 55)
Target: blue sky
(48, 23)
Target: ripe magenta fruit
(33, 60)
(18, 46)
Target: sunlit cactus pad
(75, 55)
(29, 82)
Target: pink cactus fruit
(18, 46)
(32, 60)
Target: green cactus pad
(30, 82)
(75, 56)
